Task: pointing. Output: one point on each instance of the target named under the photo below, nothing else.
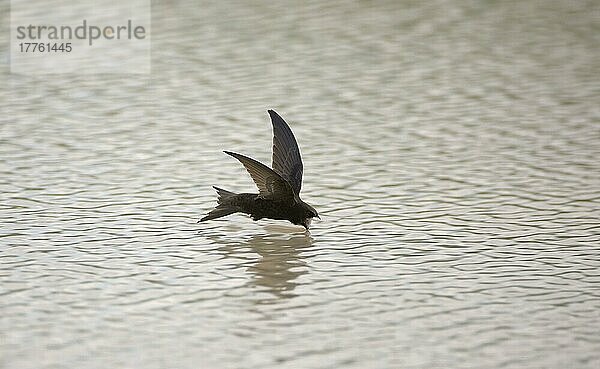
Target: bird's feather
(287, 161)
(270, 184)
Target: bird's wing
(286, 154)
(270, 184)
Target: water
(451, 149)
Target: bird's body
(259, 208)
(279, 188)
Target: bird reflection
(280, 263)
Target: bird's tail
(224, 207)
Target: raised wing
(270, 184)
(286, 154)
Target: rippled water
(451, 148)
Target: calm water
(451, 148)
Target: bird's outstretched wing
(270, 184)
(286, 154)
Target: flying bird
(278, 188)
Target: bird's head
(309, 213)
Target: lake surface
(451, 147)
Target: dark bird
(278, 188)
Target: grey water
(451, 147)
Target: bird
(278, 187)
